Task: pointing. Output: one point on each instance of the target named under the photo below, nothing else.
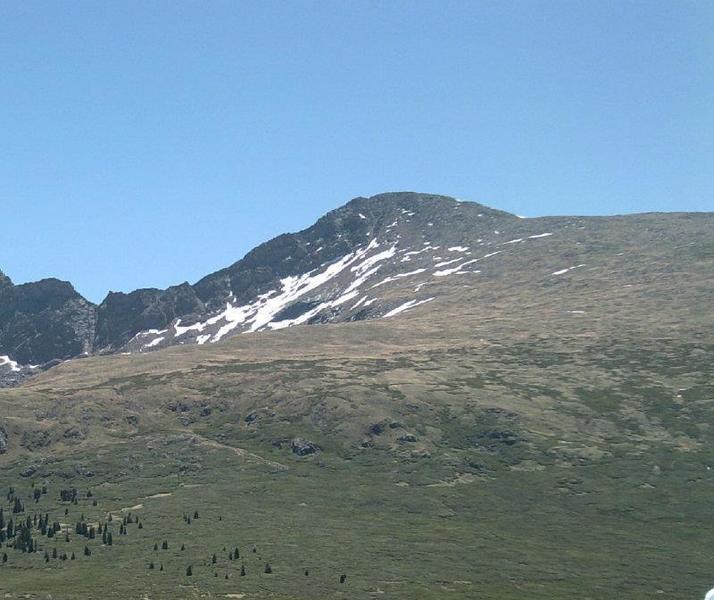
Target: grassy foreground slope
(528, 436)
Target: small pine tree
(183, 547)
(268, 568)
(72, 557)
(156, 547)
(151, 565)
(161, 568)
(54, 553)
(214, 558)
(165, 545)
(87, 551)
(189, 571)
(242, 570)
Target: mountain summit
(371, 258)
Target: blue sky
(148, 143)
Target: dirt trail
(240, 452)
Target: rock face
(121, 316)
(44, 320)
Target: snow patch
(406, 306)
(5, 360)
(397, 276)
(562, 271)
(154, 342)
(454, 270)
(448, 262)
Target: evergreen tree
(54, 553)
(87, 551)
(72, 557)
(189, 571)
(242, 570)
(151, 565)
(165, 545)
(268, 568)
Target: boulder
(303, 447)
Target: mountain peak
(374, 257)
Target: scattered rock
(376, 429)
(251, 417)
(303, 447)
(35, 439)
(73, 433)
(407, 437)
(421, 453)
(396, 425)
(28, 471)
(132, 419)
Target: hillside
(533, 423)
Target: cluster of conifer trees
(22, 531)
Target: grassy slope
(556, 454)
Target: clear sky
(148, 143)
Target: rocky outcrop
(303, 447)
(121, 316)
(44, 320)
